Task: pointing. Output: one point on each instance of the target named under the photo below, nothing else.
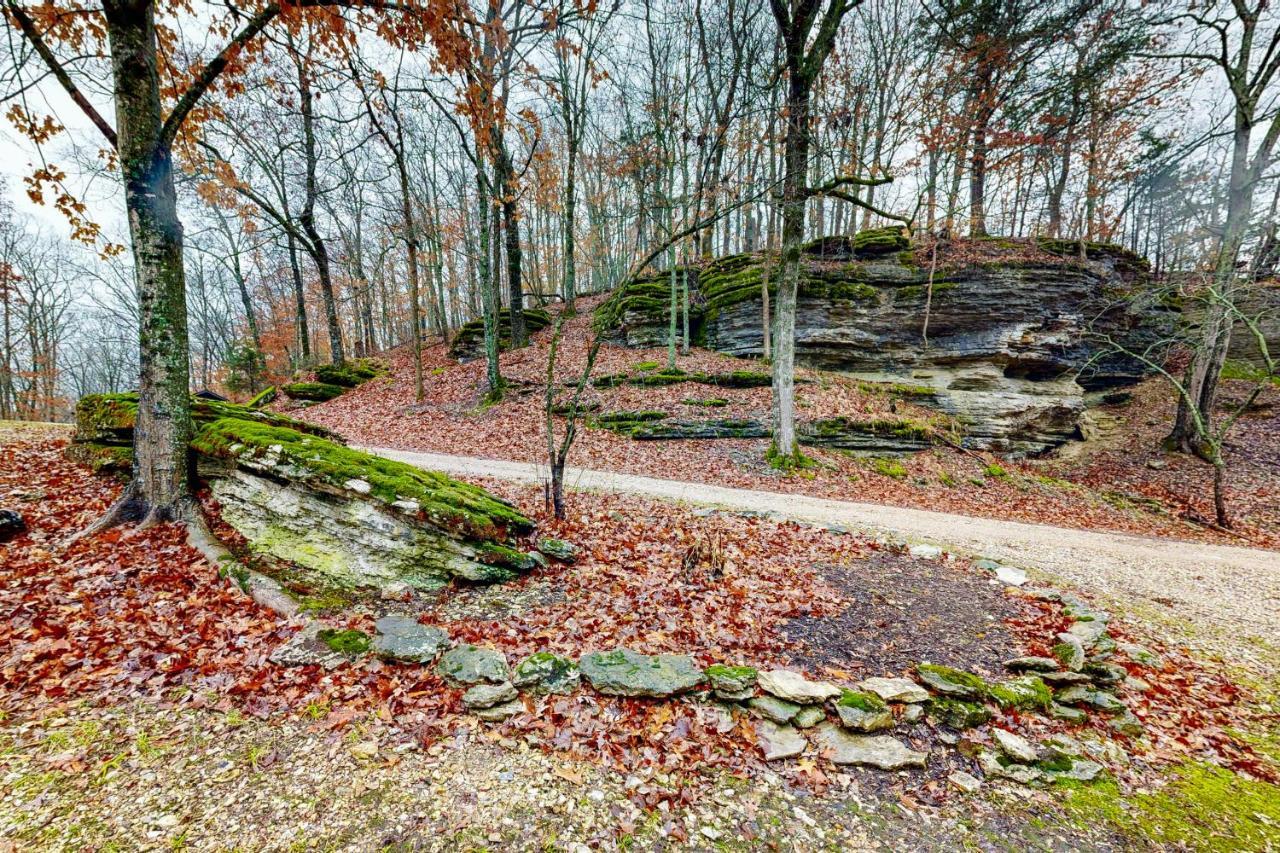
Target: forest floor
(1121, 482)
(140, 711)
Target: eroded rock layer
(1008, 344)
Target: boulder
(794, 687)
(623, 672)
(559, 550)
(468, 664)
(402, 637)
(732, 683)
(1015, 340)
(881, 751)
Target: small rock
(544, 672)
(360, 487)
(559, 550)
(894, 689)
(395, 591)
(407, 507)
(952, 682)
(402, 637)
(1088, 632)
(772, 708)
(957, 713)
(1139, 654)
(11, 524)
(863, 712)
(779, 741)
(912, 713)
(925, 552)
(1081, 770)
(732, 681)
(794, 687)
(1032, 664)
(1063, 679)
(622, 672)
(879, 751)
(1106, 673)
(809, 716)
(1069, 651)
(468, 664)
(966, 782)
(1136, 684)
(305, 649)
(488, 695)
(1016, 747)
(1070, 715)
(1157, 464)
(1126, 723)
(498, 713)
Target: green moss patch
(348, 642)
(891, 468)
(265, 397)
(350, 374)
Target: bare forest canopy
(342, 168)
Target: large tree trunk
(567, 223)
(160, 488)
(488, 289)
(505, 180)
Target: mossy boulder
(468, 342)
(263, 398)
(732, 682)
(469, 664)
(312, 392)
(351, 373)
(348, 642)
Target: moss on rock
(459, 508)
(315, 392)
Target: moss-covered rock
(952, 682)
(102, 458)
(349, 642)
(623, 422)
(957, 713)
(314, 392)
(263, 398)
(468, 343)
(544, 672)
(863, 712)
(1023, 693)
(351, 373)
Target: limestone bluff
(1019, 333)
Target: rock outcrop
(1014, 338)
(297, 494)
(468, 343)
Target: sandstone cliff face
(1015, 333)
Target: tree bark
(161, 487)
(307, 219)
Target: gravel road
(1215, 587)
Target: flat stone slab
(488, 695)
(544, 672)
(894, 689)
(404, 638)
(468, 664)
(498, 713)
(880, 751)
(779, 742)
(775, 709)
(1016, 747)
(794, 687)
(623, 672)
(305, 649)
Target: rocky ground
(141, 710)
(1121, 481)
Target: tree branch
(32, 35)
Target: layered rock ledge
(1015, 334)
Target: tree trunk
(488, 291)
(511, 227)
(160, 487)
(567, 224)
(785, 450)
(300, 301)
(319, 252)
